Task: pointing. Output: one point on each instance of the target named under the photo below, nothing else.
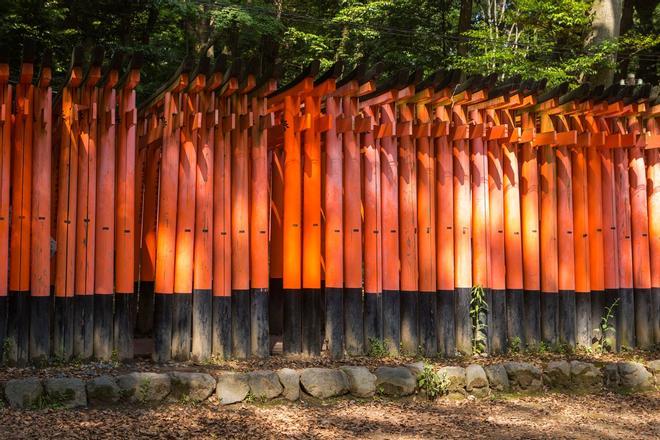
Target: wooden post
(530, 238)
(581, 225)
(259, 221)
(610, 248)
(276, 311)
(83, 335)
(596, 259)
(353, 307)
(445, 239)
(66, 214)
(480, 219)
(202, 306)
(640, 248)
(565, 246)
(240, 229)
(5, 179)
(548, 241)
(125, 210)
(18, 307)
(147, 254)
(104, 263)
(389, 180)
(334, 230)
(513, 243)
(653, 175)
(462, 232)
(373, 263)
(497, 275)
(41, 216)
(625, 319)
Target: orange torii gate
(370, 211)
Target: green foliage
(515, 344)
(432, 383)
(143, 390)
(378, 348)
(534, 38)
(606, 327)
(478, 316)
(8, 351)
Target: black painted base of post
(497, 321)
(583, 319)
(163, 327)
(625, 319)
(334, 321)
(597, 312)
(275, 306)
(103, 315)
(373, 313)
(353, 321)
(655, 297)
(311, 322)
(463, 323)
(240, 323)
(428, 339)
(549, 318)
(83, 326)
(532, 317)
(39, 328)
(18, 330)
(63, 328)
(144, 322)
(643, 330)
(409, 324)
(3, 325)
(446, 325)
(292, 336)
(392, 320)
(181, 326)
(259, 331)
(221, 327)
(515, 331)
(123, 327)
(567, 317)
(202, 310)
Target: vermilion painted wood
(408, 216)
(5, 176)
(462, 234)
(625, 315)
(530, 217)
(221, 207)
(653, 175)
(333, 206)
(640, 246)
(352, 232)
(41, 191)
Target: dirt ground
(552, 416)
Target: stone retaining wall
(229, 387)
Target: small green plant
(378, 348)
(250, 397)
(515, 344)
(8, 351)
(606, 328)
(478, 316)
(114, 357)
(432, 383)
(144, 390)
(50, 401)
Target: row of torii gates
(335, 210)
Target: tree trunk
(464, 24)
(623, 59)
(606, 26)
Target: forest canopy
(561, 40)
